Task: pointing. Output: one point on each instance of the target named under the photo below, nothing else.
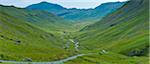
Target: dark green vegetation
(124, 35)
(78, 14)
(34, 35)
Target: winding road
(52, 62)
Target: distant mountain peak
(45, 5)
(43, 2)
(48, 3)
(77, 14)
(115, 4)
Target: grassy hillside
(23, 35)
(109, 58)
(124, 32)
(41, 19)
(33, 35)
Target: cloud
(64, 3)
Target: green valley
(123, 35)
(56, 35)
(23, 35)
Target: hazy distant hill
(78, 14)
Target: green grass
(37, 35)
(34, 42)
(121, 32)
(109, 58)
(127, 32)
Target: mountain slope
(49, 7)
(123, 34)
(41, 19)
(93, 14)
(24, 40)
(77, 14)
(128, 25)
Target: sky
(65, 3)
